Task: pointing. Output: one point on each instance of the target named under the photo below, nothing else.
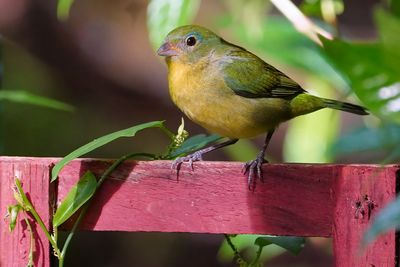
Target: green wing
(249, 76)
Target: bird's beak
(167, 50)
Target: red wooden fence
(322, 200)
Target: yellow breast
(201, 93)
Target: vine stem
(87, 204)
(29, 207)
(239, 258)
(30, 257)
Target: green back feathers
(249, 76)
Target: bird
(232, 92)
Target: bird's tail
(329, 103)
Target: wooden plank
(34, 174)
(146, 196)
(360, 193)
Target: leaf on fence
(129, 132)
(387, 219)
(79, 194)
(192, 144)
(293, 244)
(12, 213)
(164, 15)
(24, 97)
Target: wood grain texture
(360, 193)
(34, 174)
(146, 196)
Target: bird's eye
(190, 41)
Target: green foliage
(78, 195)
(192, 144)
(63, 8)
(293, 244)
(235, 245)
(19, 96)
(164, 15)
(394, 6)
(316, 7)
(372, 72)
(365, 139)
(26, 206)
(81, 193)
(371, 68)
(129, 132)
(12, 214)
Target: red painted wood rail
(322, 200)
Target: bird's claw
(253, 169)
(196, 156)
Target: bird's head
(188, 43)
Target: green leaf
(12, 212)
(164, 16)
(372, 69)
(385, 137)
(79, 194)
(387, 219)
(293, 244)
(389, 32)
(63, 8)
(394, 6)
(28, 98)
(192, 144)
(129, 132)
(246, 242)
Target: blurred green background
(71, 75)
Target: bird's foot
(253, 169)
(196, 156)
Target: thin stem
(30, 257)
(55, 236)
(87, 204)
(240, 260)
(29, 207)
(170, 134)
(255, 262)
(300, 21)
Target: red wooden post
(360, 192)
(34, 174)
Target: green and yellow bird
(232, 92)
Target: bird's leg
(253, 167)
(198, 155)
